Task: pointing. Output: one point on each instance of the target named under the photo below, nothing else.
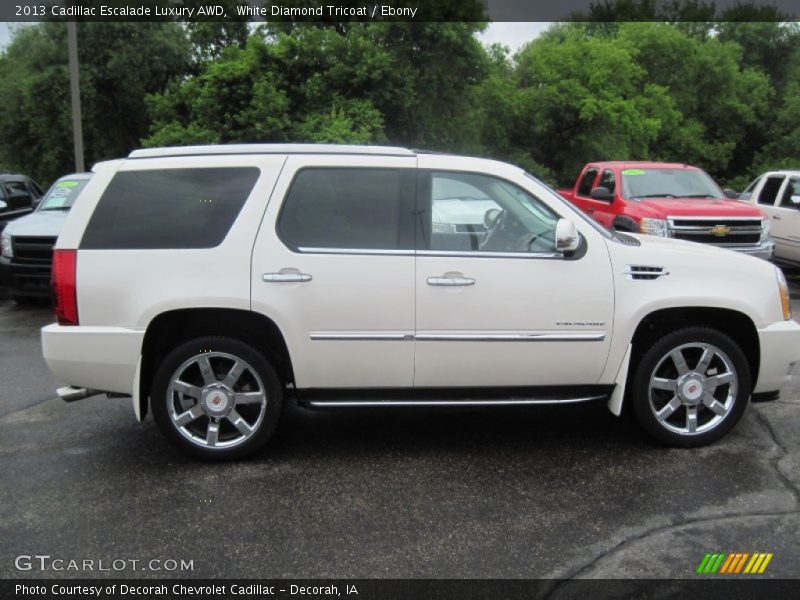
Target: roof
(642, 164)
(13, 177)
(270, 149)
(85, 175)
(789, 172)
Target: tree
(722, 105)
(120, 64)
(585, 98)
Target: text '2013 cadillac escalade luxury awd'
(210, 282)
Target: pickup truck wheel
(217, 398)
(691, 387)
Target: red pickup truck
(670, 200)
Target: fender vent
(645, 272)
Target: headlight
(5, 245)
(764, 230)
(783, 290)
(653, 227)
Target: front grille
(721, 232)
(38, 250)
(749, 239)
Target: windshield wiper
(700, 196)
(657, 196)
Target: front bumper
(95, 358)
(765, 250)
(780, 351)
(25, 279)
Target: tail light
(65, 296)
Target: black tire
(163, 400)
(655, 356)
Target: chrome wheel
(693, 388)
(216, 400)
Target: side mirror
(567, 238)
(729, 193)
(602, 193)
(3, 205)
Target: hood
(39, 223)
(662, 208)
(693, 253)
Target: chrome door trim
(366, 336)
(349, 336)
(312, 250)
(439, 253)
(576, 336)
(467, 254)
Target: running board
(449, 398)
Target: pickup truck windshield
(63, 194)
(640, 184)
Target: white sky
(513, 35)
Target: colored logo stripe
(723, 563)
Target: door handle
(286, 277)
(450, 281)
(777, 217)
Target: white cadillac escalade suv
(209, 283)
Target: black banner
(396, 589)
(397, 10)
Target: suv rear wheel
(217, 398)
(691, 387)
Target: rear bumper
(780, 350)
(765, 250)
(96, 358)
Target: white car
(211, 282)
(777, 193)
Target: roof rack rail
(424, 151)
(219, 149)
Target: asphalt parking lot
(550, 492)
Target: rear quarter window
(169, 208)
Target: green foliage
(724, 95)
(120, 64)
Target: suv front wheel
(217, 398)
(691, 387)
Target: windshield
(63, 194)
(638, 184)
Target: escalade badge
(720, 230)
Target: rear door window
(169, 208)
(349, 209)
